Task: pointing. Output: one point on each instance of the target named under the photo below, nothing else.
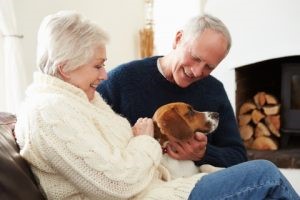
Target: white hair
(198, 24)
(67, 39)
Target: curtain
(13, 74)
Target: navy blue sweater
(136, 89)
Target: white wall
(260, 30)
(168, 21)
(122, 19)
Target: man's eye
(210, 67)
(196, 59)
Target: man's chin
(183, 82)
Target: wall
(260, 29)
(122, 19)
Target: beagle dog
(180, 121)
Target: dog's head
(180, 121)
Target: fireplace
(265, 36)
(281, 78)
(290, 98)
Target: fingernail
(198, 133)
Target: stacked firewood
(259, 122)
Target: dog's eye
(191, 111)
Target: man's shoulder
(211, 82)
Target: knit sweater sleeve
(88, 160)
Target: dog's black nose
(214, 115)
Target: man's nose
(198, 69)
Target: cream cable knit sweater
(82, 150)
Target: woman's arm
(91, 162)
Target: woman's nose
(103, 74)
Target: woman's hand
(194, 149)
(143, 126)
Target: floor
(287, 159)
(293, 176)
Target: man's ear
(62, 73)
(177, 40)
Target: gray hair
(67, 39)
(198, 24)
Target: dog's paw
(206, 168)
(179, 168)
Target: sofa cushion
(16, 178)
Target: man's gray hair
(67, 39)
(198, 24)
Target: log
(261, 130)
(246, 132)
(246, 107)
(244, 119)
(271, 110)
(256, 116)
(270, 99)
(264, 143)
(248, 143)
(259, 99)
(273, 123)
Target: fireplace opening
(290, 98)
(295, 91)
(281, 78)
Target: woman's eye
(100, 66)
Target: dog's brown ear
(175, 125)
(161, 138)
(157, 133)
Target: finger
(172, 153)
(194, 149)
(200, 136)
(139, 120)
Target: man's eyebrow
(212, 66)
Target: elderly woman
(79, 148)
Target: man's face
(197, 57)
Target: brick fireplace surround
(267, 76)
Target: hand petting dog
(193, 149)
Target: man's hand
(193, 149)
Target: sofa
(16, 178)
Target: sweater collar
(48, 82)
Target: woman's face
(87, 77)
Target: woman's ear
(62, 73)
(178, 37)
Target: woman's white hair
(198, 24)
(67, 39)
